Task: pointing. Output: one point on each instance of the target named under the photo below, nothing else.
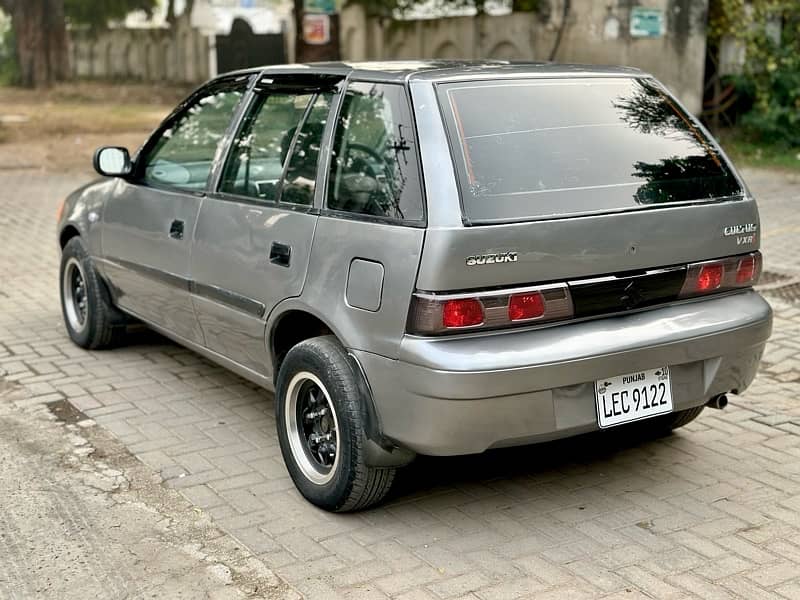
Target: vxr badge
(745, 233)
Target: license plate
(633, 397)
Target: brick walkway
(711, 512)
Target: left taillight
(721, 275)
(452, 313)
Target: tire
(317, 395)
(683, 417)
(91, 320)
(664, 424)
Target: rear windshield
(548, 148)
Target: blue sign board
(647, 22)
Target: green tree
(98, 13)
(40, 32)
(769, 31)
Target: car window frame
(299, 83)
(352, 216)
(243, 81)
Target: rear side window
(261, 147)
(548, 148)
(374, 169)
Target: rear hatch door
(581, 177)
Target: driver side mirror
(112, 161)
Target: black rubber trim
(159, 275)
(228, 298)
(626, 291)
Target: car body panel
(148, 269)
(337, 242)
(464, 395)
(235, 285)
(559, 249)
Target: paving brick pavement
(711, 512)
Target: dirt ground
(59, 129)
(82, 518)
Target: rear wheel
(664, 424)
(683, 417)
(320, 419)
(91, 320)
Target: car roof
(443, 70)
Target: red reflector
(525, 306)
(465, 312)
(746, 270)
(710, 278)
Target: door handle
(176, 229)
(280, 254)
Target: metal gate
(242, 48)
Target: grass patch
(85, 108)
(747, 153)
(59, 128)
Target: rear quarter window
(555, 147)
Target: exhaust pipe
(719, 401)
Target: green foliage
(97, 13)
(9, 71)
(770, 79)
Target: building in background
(664, 37)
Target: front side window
(555, 147)
(259, 152)
(183, 153)
(374, 169)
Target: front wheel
(91, 320)
(320, 419)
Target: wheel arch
(68, 232)
(296, 324)
(291, 327)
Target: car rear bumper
(447, 396)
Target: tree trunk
(41, 33)
(314, 52)
(170, 17)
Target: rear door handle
(280, 254)
(176, 229)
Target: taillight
(452, 313)
(746, 271)
(463, 312)
(710, 277)
(523, 307)
(721, 275)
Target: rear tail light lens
(710, 277)
(721, 275)
(523, 307)
(453, 313)
(746, 272)
(464, 312)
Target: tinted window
(374, 167)
(301, 173)
(259, 152)
(184, 152)
(530, 149)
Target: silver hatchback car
(429, 257)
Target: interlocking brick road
(710, 512)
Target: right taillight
(433, 313)
(721, 275)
